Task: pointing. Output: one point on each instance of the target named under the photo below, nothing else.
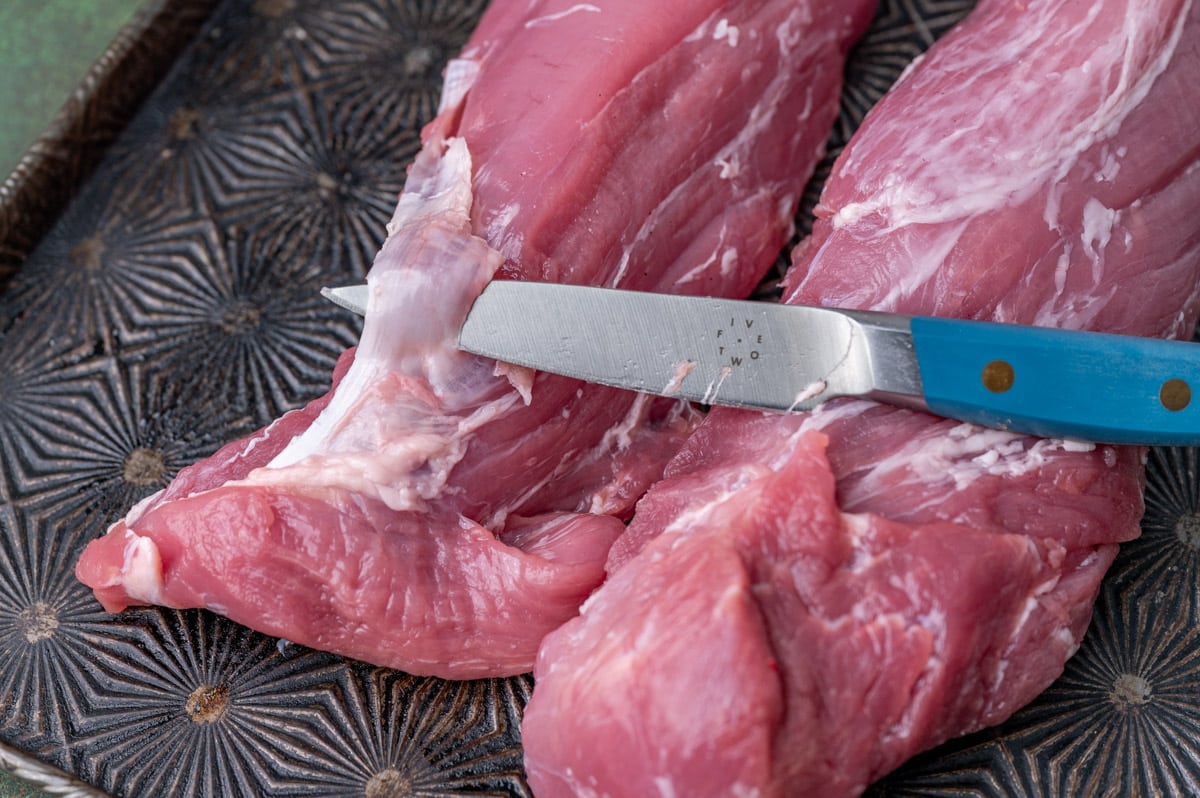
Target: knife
(1049, 382)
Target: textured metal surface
(175, 306)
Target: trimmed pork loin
(436, 512)
(804, 602)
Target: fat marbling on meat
(436, 512)
(803, 602)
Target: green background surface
(46, 48)
(12, 787)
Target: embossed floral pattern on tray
(175, 306)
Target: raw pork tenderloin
(803, 602)
(436, 512)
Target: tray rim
(47, 778)
(42, 184)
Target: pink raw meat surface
(804, 602)
(436, 512)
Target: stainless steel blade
(713, 351)
(351, 297)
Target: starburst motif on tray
(1123, 713)
(186, 147)
(103, 271)
(315, 174)
(262, 47)
(45, 619)
(132, 434)
(327, 188)
(228, 711)
(427, 735)
(387, 57)
(251, 332)
(45, 380)
(224, 712)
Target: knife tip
(350, 297)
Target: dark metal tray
(171, 304)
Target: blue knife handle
(1061, 383)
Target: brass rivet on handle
(1175, 394)
(998, 376)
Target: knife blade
(1049, 382)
